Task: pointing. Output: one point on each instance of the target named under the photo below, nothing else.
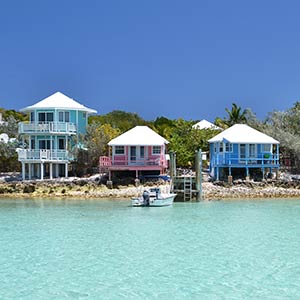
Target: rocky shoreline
(92, 189)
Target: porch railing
(48, 127)
(44, 154)
(231, 159)
(105, 162)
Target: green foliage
(119, 119)
(97, 138)
(285, 127)
(18, 116)
(93, 145)
(163, 126)
(9, 157)
(185, 141)
(235, 116)
(11, 128)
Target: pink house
(140, 150)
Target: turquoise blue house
(49, 136)
(243, 151)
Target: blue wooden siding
(82, 122)
(257, 158)
(79, 118)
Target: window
(252, 150)
(32, 143)
(44, 144)
(221, 147)
(64, 116)
(32, 116)
(142, 152)
(45, 117)
(228, 147)
(266, 148)
(61, 144)
(119, 150)
(156, 149)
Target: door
(137, 155)
(252, 153)
(132, 153)
(242, 157)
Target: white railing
(44, 154)
(233, 159)
(49, 127)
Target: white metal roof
(204, 124)
(138, 136)
(243, 134)
(59, 101)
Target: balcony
(44, 155)
(233, 160)
(47, 128)
(127, 163)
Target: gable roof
(204, 124)
(243, 134)
(139, 136)
(59, 101)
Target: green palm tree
(236, 115)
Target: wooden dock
(185, 188)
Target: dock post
(172, 169)
(199, 174)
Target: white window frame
(46, 115)
(64, 113)
(228, 147)
(155, 150)
(264, 146)
(221, 147)
(119, 148)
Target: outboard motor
(146, 198)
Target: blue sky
(178, 59)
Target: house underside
(44, 169)
(257, 172)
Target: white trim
(114, 150)
(153, 153)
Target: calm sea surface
(109, 250)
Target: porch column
(38, 171)
(29, 171)
(23, 171)
(217, 173)
(66, 170)
(56, 170)
(42, 171)
(247, 174)
(51, 170)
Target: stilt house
(243, 151)
(139, 151)
(53, 122)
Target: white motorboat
(154, 197)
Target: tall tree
(236, 115)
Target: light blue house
(243, 151)
(49, 136)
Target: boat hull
(157, 202)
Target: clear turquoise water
(109, 250)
